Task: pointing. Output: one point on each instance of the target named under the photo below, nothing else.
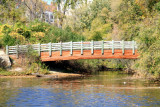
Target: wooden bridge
(78, 50)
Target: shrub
(157, 6)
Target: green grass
(4, 72)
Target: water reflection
(103, 89)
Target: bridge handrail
(70, 46)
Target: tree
(63, 6)
(9, 12)
(147, 4)
(35, 9)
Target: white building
(49, 17)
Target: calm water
(104, 89)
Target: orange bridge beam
(87, 55)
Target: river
(103, 89)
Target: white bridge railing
(70, 46)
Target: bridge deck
(87, 55)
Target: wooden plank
(12, 53)
(12, 46)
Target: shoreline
(55, 75)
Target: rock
(4, 60)
(17, 69)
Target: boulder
(4, 60)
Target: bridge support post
(102, 47)
(133, 47)
(50, 49)
(123, 47)
(61, 48)
(81, 47)
(7, 52)
(112, 47)
(39, 49)
(71, 51)
(92, 47)
(17, 49)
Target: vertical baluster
(123, 47)
(81, 47)
(17, 49)
(7, 50)
(112, 47)
(92, 47)
(50, 49)
(133, 47)
(71, 50)
(39, 49)
(61, 48)
(102, 47)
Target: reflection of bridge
(79, 50)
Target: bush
(157, 6)
(149, 43)
(35, 32)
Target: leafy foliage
(35, 32)
(10, 14)
(92, 20)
